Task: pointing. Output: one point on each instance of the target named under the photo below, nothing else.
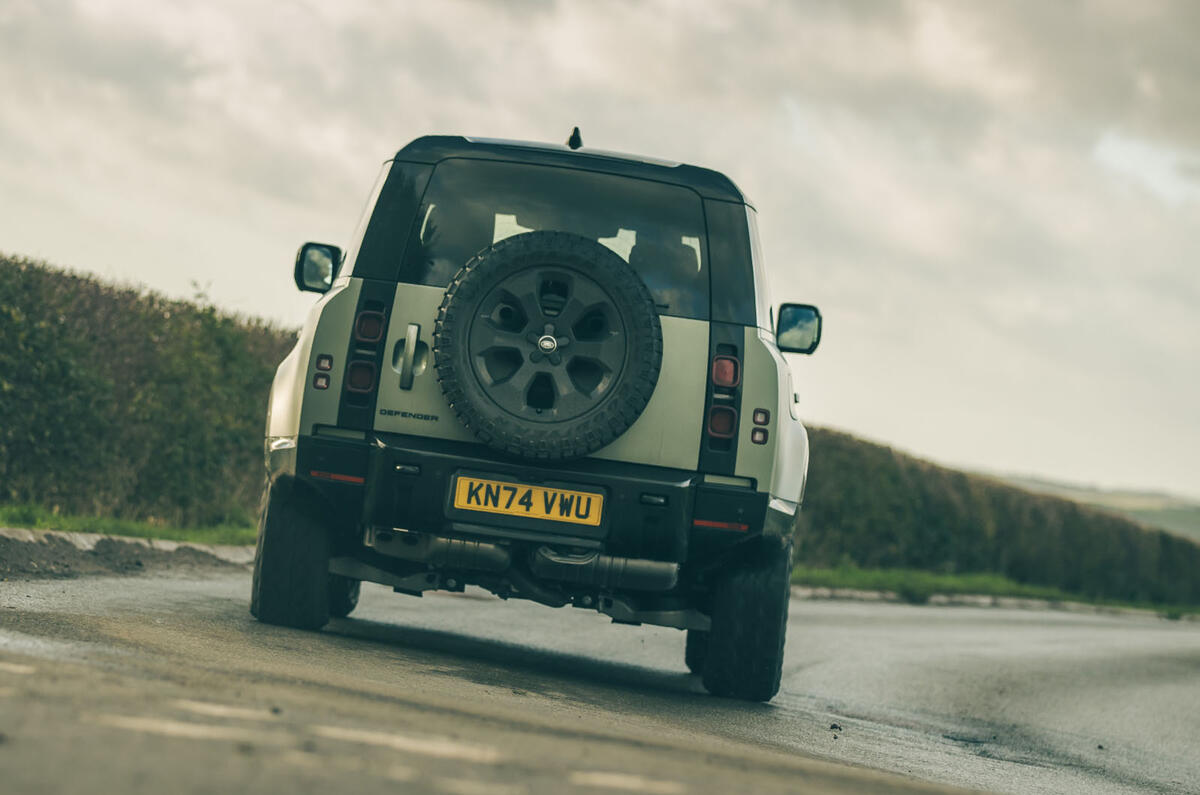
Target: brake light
(742, 526)
(360, 377)
(723, 404)
(722, 422)
(368, 326)
(337, 476)
(726, 371)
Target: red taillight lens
(368, 326)
(722, 422)
(726, 371)
(742, 526)
(360, 377)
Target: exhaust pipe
(589, 569)
(604, 571)
(447, 553)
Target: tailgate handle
(410, 351)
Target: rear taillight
(360, 377)
(722, 422)
(364, 369)
(723, 404)
(725, 375)
(369, 326)
(726, 372)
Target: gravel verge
(50, 554)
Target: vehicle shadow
(494, 662)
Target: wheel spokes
(547, 343)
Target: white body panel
(780, 466)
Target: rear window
(657, 228)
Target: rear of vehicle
(550, 374)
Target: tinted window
(656, 228)
(732, 263)
(379, 252)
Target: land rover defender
(550, 372)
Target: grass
(40, 518)
(916, 586)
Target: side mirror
(799, 328)
(317, 266)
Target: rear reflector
(368, 326)
(720, 525)
(335, 476)
(360, 377)
(722, 422)
(726, 371)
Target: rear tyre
(749, 622)
(343, 595)
(291, 565)
(695, 650)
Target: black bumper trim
(408, 480)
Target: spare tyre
(547, 345)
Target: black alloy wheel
(548, 345)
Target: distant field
(1168, 512)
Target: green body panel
(295, 406)
(669, 431)
(425, 410)
(666, 434)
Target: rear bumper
(651, 513)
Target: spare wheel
(547, 345)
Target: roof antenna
(576, 140)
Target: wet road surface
(166, 683)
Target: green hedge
(120, 403)
(116, 402)
(872, 507)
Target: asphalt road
(165, 683)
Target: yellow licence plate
(535, 502)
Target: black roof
(708, 183)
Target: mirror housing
(317, 265)
(798, 329)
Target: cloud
(992, 203)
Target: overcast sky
(996, 205)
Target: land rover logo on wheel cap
(547, 344)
